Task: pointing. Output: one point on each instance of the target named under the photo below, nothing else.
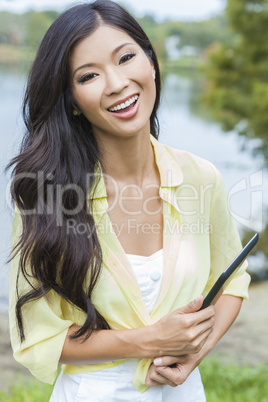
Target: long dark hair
(59, 150)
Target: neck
(128, 160)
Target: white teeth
(125, 104)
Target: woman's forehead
(103, 42)
(104, 36)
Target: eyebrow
(116, 50)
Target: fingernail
(158, 361)
(197, 299)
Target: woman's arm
(105, 345)
(178, 333)
(226, 311)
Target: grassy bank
(10, 54)
(15, 55)
(223, 383)
(233, 383)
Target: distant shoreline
(10, 55)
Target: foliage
(157, 34)
(12, 28)
(27, 390)
(200, 34)
(26, 31)
(261, 247)
(37, 25)
(262, 243)
(237, 86)
(232, 383)
(222, 382)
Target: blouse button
(155, 275)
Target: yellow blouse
(200, 240)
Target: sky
(161, 9)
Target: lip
(131, 113)
(121, 101)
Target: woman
(117, 235)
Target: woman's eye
(126, 57)
(87, 77)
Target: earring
(75, 112)
(153, 75)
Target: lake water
(244, 176)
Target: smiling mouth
(125, 106)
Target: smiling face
(112, 83)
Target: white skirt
(115, 385)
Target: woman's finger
(200, 335)
(155, 378)
(168, 374)
(151, 383)
(204, 315)
(202, 338)
(162, 380)
(164, 361)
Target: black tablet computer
(219, 286)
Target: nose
(116, 81)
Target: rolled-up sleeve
(46, 323)
(225, 243)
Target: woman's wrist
(144, 340)
(137, 343)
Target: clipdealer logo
(250, 190)
(188, 199)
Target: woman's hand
(163, 374)
(154, 378)
(160, 372)
(184, 331)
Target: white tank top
(148, 271)
(115, 383)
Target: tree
(11, 28)
(38, 24)
(237, 73)
(201, 34)
(157, 34)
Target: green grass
(27, 390)
(223, 383)
(232, 383)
